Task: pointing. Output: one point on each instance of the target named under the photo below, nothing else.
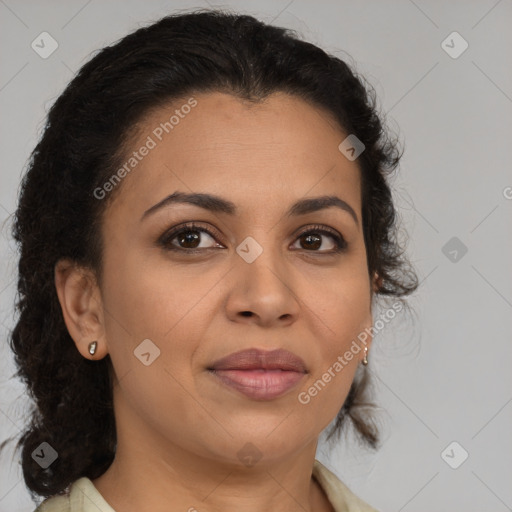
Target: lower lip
(260, 384)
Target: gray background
(442, 375)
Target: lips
(254, 359)
(258, 374)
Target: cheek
(169, 304)
(348, 309)
(340, 301)
(150, 297)
(153, 302)
(341, 310)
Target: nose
(263, 292)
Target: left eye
(313, 240)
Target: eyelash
(169, 236)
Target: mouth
(260, 375)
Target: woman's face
(250, 280)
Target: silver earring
(92, 347)
(365, 360)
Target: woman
(204, 228)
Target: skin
(178, 428)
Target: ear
(376, 282)
(366, 335)
(82, 307)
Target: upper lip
(253, 359)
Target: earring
(365, 360)
(92, 347)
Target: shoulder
(55, 504)
(340, 496)
(82, 497)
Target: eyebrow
(217, 204)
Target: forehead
(277, 150)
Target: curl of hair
(85, 140)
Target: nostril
(246, 313)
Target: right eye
(188, 238)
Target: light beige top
(84, 497)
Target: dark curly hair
(86, 136)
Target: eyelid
(317, 227)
